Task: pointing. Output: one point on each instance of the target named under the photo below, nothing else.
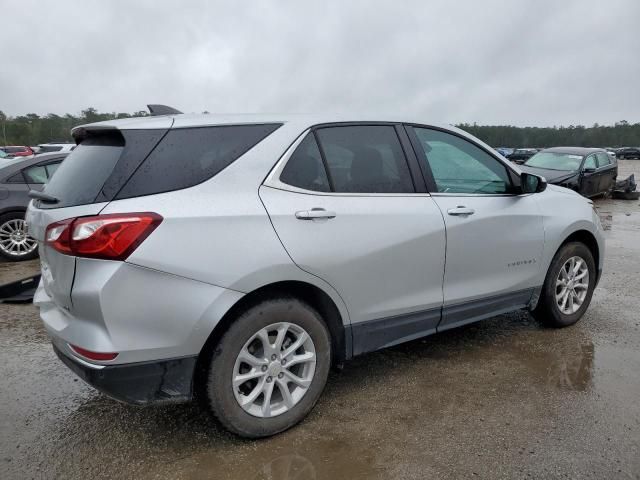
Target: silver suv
(234, 259)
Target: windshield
(555, 161)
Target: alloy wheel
(274, 370)
(14, 240)
(572, 285)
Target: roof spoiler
(155, 110)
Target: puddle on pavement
(281, 460)
(480, 371)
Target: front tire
(15, 243)
(568, 287)
(269, 368)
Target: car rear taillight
(108, 237)
(101, 356)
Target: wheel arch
(588, 239)
(304, 291)
(6, 210)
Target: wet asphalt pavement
(504, 398)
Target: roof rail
(156, 110)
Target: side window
(188, 156)
(37, 174)
(51, 168)
(16, 178)
(590, 162)
(365, 159)
(458, 166)
(603, 159)
(305, 169)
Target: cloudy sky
(514, 62)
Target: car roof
(583, 151)
(206, 119)
(295, 123)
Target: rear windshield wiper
(43, 197)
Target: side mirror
(532, 183)
(588, 170)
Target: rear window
(130, 163)
(188, 156)
(80, 177)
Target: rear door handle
(315, 213)
(461, 210)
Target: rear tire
(568, 287)
(255, 348)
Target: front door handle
(461, 210)
(315, 213)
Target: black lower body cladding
(166, 381)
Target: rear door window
(305, 168)
(16, 178)
(188, 156)
(603, 159)
(40, 174)
(36, 174)
(365, 159)
(590, 162)
(51, 169)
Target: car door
(343, 202)
(495, 236)
(14, 192)
(607, 172)
(590, 181)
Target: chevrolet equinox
(235, 259)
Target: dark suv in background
(521, 155)
(628, 153)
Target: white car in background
(55, 147)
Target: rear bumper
(142, 383)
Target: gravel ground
(504, 398)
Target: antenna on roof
(156, 110)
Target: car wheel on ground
(568, 287)
(15, 243)
(269, 368)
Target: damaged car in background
(588, 171)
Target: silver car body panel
(58, 270)
(382, 257)
(141, 313)
(385, 255)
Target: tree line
(32, 129)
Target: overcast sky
(492, 62)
